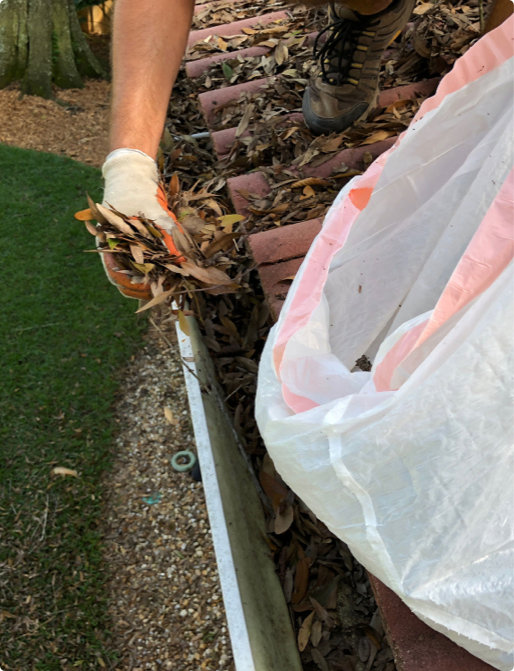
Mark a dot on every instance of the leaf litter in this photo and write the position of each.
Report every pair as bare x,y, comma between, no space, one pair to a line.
330,600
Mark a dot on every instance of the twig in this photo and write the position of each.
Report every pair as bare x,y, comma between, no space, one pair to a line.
481,15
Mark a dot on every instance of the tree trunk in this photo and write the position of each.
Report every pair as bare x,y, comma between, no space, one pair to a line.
41,43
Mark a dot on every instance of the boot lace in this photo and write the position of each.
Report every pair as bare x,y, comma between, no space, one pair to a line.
336,53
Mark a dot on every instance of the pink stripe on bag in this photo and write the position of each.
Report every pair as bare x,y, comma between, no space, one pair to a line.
383,373
486,257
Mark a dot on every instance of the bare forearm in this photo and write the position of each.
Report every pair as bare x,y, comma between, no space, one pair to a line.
149,40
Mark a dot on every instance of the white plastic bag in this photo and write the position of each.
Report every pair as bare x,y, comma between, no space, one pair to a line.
411,464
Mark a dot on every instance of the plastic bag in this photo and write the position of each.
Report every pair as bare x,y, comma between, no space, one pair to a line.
411,464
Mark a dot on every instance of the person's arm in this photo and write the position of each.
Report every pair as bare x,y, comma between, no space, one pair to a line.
148,43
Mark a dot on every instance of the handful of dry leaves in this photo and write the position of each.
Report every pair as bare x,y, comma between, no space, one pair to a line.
148,262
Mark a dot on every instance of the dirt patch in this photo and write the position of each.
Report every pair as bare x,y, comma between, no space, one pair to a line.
78,127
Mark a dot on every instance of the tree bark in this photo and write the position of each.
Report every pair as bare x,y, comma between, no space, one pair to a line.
87,64
65,73
8,55
41,42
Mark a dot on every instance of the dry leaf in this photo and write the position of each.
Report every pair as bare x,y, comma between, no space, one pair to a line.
224,242
319,659
192,224
145,268
310,181
94,209
420,46
377,137
115,220
61,470
208,275
243,124
332,145
137,254
273,488
397,105
157,300
284,518
84,215
93,230
301,580
308,192
305,632
174,187
230,219
176,269
281,53
423,8
317,628
168,413
183,323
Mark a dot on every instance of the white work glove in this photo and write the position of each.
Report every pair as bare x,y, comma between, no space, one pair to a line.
132,188
132,184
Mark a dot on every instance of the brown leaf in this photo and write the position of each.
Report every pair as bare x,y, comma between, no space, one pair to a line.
93,230
305,632
137,253
301,580
245,120
115,220
397,105
156,300
317,628
96,212
332,144
310,181
284,518
308,192
319,659
174,188
281,53
176,269
377,137
276,491
224,242
192,224
181,241
208,275
422,8
420,46
140,227
321,612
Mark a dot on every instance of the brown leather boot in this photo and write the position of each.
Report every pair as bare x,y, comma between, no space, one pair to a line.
346,88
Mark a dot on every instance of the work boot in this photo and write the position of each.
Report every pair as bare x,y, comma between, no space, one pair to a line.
346,88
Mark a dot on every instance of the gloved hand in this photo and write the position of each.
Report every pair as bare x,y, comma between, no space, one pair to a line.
132,187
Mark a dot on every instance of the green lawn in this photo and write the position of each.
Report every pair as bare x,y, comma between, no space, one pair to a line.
65,334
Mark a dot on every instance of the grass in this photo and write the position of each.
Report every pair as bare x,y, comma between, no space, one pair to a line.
65,333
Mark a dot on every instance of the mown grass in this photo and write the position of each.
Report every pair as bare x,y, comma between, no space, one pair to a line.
65,334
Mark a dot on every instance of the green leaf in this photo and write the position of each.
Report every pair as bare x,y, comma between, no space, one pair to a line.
227,71
112,242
